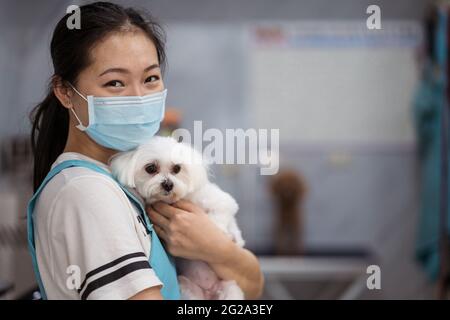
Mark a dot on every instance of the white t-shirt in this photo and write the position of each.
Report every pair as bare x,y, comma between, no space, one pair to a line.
85,225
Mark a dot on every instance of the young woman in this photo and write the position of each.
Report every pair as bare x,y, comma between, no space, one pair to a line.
89,238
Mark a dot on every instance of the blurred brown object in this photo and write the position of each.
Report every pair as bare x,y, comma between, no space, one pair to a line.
288,189
171,122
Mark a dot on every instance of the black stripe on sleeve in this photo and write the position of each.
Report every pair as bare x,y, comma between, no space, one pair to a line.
113,276
109,265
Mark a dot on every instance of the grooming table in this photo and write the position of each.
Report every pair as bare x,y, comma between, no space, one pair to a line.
314,277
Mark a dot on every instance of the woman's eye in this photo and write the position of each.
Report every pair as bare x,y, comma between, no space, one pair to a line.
152,79
151,168
114,83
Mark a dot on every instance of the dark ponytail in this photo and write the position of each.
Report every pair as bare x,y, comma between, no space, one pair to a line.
50,124
70,55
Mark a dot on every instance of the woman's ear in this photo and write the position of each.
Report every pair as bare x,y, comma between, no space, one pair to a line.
123,167
62,92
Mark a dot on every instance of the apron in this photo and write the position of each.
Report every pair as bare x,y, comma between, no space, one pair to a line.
161,262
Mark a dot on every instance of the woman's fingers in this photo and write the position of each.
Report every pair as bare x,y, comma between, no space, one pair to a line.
157,218
165,209
160,232
187,206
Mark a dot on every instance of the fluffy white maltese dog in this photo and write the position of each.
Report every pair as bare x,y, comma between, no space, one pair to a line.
166,170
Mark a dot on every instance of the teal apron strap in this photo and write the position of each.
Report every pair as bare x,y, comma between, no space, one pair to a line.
162,263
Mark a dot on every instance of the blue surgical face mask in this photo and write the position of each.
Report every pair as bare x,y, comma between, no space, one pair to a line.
123,123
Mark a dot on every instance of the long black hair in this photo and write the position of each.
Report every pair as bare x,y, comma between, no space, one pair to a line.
70,55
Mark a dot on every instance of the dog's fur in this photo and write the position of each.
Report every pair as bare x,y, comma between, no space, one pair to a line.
197,280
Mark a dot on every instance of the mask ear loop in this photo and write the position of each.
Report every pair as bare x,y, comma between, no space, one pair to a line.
80,125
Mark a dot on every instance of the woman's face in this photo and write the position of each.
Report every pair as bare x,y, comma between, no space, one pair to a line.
123,64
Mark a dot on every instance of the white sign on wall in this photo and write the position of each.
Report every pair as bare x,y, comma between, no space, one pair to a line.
334,82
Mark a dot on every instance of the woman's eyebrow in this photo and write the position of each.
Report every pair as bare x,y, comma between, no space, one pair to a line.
119,70
153,66
123,70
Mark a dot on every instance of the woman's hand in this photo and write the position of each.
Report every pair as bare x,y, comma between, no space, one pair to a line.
188,232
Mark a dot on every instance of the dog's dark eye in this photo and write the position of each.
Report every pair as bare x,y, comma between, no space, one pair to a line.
176,168
151,168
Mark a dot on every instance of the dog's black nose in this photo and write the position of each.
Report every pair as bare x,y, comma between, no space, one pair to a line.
167,185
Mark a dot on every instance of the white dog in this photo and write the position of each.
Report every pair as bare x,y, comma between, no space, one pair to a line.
166,170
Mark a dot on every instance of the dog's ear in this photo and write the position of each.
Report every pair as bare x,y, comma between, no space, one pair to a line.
123,167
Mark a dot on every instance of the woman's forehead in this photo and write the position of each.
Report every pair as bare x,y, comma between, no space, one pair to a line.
133,51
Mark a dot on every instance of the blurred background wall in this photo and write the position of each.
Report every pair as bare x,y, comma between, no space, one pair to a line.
360,171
